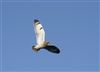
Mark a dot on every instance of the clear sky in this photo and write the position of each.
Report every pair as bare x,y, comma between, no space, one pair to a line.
71,26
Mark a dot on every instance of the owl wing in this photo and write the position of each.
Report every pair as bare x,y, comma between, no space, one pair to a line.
39,31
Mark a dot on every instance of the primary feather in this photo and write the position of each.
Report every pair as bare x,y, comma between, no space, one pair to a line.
52,48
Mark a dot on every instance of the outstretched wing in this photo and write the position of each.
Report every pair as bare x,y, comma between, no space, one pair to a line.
39,31
52,49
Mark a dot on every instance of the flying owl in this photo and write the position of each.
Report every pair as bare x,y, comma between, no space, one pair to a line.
40,39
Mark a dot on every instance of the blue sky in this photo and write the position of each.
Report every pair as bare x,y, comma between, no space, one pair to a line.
72,26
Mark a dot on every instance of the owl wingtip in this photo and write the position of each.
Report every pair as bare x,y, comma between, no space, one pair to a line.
36,20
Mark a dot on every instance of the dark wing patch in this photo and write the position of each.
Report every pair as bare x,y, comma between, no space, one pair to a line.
52,49
40,28
36,20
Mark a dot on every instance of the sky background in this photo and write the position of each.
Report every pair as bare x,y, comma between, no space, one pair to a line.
72,26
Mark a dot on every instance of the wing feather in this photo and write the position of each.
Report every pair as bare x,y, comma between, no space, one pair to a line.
39,31
52,48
